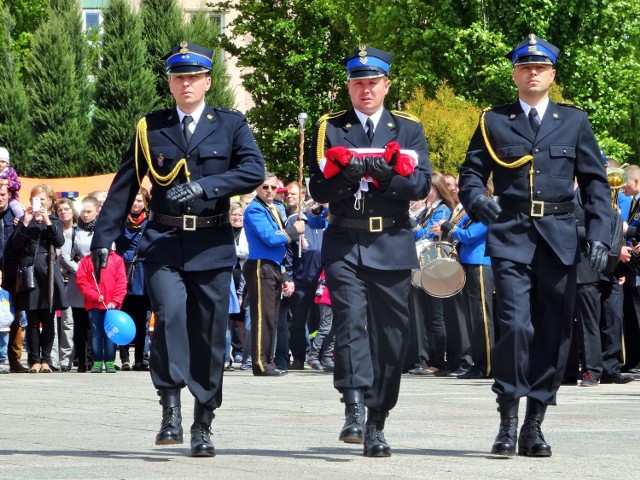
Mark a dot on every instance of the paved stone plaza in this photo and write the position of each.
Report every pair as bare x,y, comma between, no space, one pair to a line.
102,426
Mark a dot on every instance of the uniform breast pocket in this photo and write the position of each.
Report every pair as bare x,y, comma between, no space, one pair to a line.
512,152
164,157
562,159
213,158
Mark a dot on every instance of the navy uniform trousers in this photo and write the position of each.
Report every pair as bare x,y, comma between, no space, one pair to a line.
188,331
264,289
534,317
371,324
478,292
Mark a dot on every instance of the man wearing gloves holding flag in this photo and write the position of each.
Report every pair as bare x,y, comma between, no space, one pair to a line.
368,163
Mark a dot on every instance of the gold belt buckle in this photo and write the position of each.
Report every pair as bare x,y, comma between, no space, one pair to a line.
375,224
537,208
189,222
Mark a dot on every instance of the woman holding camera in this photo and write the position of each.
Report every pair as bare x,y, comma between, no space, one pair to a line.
39,286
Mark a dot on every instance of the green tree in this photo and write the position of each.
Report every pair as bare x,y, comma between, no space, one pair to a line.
14,122
29,14
57,111
204,29
449,123
464,42
125,86
163,28
292,66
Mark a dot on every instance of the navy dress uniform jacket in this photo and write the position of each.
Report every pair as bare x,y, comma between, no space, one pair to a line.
222,157
563,149
393,248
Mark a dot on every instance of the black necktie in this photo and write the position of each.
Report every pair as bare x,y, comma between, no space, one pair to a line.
186,121
534,120
369,124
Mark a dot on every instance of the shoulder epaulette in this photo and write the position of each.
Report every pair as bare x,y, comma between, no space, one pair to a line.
405,115
496,107
227,110
571,105
329,116
156,112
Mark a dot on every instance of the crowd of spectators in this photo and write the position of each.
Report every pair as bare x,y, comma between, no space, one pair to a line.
58,319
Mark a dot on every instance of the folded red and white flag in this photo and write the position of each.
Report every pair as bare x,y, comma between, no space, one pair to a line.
337,157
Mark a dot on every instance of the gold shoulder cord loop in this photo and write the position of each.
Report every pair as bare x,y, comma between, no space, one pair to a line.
517,163
143,143
322,129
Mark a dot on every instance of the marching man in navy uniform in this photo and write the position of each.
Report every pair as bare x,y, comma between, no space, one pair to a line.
196,157
368,247
534,148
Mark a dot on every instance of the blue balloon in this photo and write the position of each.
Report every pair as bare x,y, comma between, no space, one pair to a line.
119,327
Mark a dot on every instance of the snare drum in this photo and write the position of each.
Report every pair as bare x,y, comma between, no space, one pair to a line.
441,275
416,273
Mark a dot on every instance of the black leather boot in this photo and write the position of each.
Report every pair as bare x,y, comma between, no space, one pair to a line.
353,429
505,442
171,427
531,442
201,445
374,443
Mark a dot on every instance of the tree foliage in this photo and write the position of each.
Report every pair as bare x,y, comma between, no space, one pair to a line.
14,121
449,123
57,110
125,86
291,62
204,29
463,43
28,15
162,28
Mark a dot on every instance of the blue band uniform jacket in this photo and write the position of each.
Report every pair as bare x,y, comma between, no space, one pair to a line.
563,149
222,156
392,248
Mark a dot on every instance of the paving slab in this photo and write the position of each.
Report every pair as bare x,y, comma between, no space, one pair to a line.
102,426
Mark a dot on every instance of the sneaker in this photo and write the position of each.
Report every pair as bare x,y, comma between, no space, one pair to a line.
588,381
96,367
4,368
126,367
247,365
110,367
314,363
327,364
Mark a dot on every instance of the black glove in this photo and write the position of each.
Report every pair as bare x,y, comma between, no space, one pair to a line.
184,192
486,210
99,259
354,170
598,255
380,170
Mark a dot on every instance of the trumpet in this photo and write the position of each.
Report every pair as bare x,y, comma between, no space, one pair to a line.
617,179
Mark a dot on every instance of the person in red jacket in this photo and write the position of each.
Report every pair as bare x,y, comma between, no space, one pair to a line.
98,298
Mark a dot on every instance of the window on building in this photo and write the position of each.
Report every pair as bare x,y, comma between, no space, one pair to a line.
91,20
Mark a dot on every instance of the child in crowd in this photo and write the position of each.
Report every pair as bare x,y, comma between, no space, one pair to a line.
324,340
9,177
108,294
6,319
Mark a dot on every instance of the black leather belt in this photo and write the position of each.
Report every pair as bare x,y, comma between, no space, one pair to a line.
372,224
537,208
189,222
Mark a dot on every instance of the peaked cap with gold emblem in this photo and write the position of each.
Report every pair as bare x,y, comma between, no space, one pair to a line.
367,62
